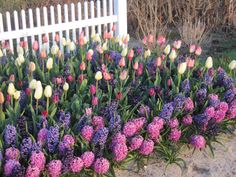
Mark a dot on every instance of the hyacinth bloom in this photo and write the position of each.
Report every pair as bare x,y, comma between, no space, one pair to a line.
54,168
38,160
88,158
197,141
174,134
101,165
210,111
219,115
32,171
42,135
173,123
9,166
146,147
98,122
76,165
120,151
153,131
129,129
10,135
136,142
187,120
12,153
87,132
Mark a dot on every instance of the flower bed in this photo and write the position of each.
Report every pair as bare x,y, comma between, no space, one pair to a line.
100,104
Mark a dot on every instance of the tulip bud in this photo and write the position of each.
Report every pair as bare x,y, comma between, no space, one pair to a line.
57,38
45,39
21,59
177,44
12,78
54,49
167,49
122,62
82,66
124,52
151,91
209,63
1,54
161,40
114,27
17,95
182,68
48,91
123,75
97,38
98,75
190,62
72,46
11,89
32,66
33,84
38,93
1,98
38,84
20,50
49,63
147,53
94,101
43,54
198,51
92,89
63,41
135,66
173,55
35,45
119,95
66,87
192,48
232,65
89,55
158,61
104,46
131,54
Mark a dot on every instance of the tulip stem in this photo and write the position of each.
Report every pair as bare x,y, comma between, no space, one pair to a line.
37,102
179,80
12,101
47,104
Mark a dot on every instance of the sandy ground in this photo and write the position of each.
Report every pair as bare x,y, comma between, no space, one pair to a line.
199,164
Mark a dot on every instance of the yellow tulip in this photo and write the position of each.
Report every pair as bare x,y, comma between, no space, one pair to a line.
49,63
17,95
48,91
147,53
182,68
2,99
72,46
32,66
173,55
33,84
66,87
38,93
98,75
11,89
54,49
232,65
124,52
64,41
167,49
1,54
209,63
123,75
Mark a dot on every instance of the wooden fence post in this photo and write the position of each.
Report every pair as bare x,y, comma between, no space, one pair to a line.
120,9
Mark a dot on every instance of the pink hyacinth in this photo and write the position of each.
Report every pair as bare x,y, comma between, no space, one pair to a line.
12,153
153,131
76,165
118,138
223,106
69,140
139,123
188,104
187,120
136,142
210,112
88,158
9,166
219,116
37,159
32,171
173,123
98,122
42,135
231,113
54,168
101,165
146,147
197,141
87,132
120,152
159,122
175,134
129,129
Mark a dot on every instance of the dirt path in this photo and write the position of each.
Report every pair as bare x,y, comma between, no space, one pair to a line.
200,164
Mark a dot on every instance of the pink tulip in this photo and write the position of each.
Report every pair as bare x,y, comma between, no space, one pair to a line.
35,45
135,66
198,51
190,62
192,48
161,40
158,61
57,38
150,38
131,54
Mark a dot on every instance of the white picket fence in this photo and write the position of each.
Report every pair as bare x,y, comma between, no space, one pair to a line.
99,15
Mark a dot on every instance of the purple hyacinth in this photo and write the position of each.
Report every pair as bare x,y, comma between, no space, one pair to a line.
10,135
201,120
167,111
52,138
37,146
144,111
22,99
208,78
201,96
100,136
188,104
26,147
9,166
42,135
12,153
115,123
185,87
64,119
213,100
18,171
229,95
21,126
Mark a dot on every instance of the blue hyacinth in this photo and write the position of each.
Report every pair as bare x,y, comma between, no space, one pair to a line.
115,123
10,135
52,139
64,119
167,111
179,102
229,95
185,87
100,136
26,147
201,95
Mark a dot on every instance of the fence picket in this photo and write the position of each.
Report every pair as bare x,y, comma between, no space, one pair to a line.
104,7
66,20
31,20
1,24
73,20
23,22
92,14
16,22
99,15
79,15
9,30
59,21
52,17
111,12
45,18
86,17
38,25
